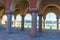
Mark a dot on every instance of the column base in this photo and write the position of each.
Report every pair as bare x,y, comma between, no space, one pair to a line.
22,29
9,32
33,34
40,30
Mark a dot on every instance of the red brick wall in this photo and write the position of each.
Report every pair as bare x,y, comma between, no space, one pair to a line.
8,3
32,3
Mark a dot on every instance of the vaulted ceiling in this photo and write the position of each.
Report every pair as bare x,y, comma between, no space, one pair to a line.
45,6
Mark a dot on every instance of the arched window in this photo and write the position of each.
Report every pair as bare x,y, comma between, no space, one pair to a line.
18,20
51,20
4,19
28,19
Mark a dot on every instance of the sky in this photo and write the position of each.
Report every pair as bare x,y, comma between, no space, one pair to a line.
49,16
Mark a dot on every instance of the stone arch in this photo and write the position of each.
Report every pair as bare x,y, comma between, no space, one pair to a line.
2,13
2,9
51,9
16,12
27,10
48,6
23,6
13,4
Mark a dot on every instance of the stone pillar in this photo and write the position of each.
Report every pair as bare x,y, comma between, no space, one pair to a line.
33,8
44,22
9,24
40,23
34,21
57,22
22,23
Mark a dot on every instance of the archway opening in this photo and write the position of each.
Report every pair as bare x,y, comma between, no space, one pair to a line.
4,19
37,21
12,20
18,21
28,19
51,21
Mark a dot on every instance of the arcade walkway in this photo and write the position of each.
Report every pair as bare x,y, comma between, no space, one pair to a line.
45,35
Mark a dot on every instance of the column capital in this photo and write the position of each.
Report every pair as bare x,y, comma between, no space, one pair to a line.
44,17
9,12
33,9
40,15
57,17
22,15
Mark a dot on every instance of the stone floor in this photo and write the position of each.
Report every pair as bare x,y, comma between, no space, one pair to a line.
25,35
45,35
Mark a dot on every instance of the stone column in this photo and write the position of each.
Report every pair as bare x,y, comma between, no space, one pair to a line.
40,23
44,22
34,21
9,24
57,22
22,23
